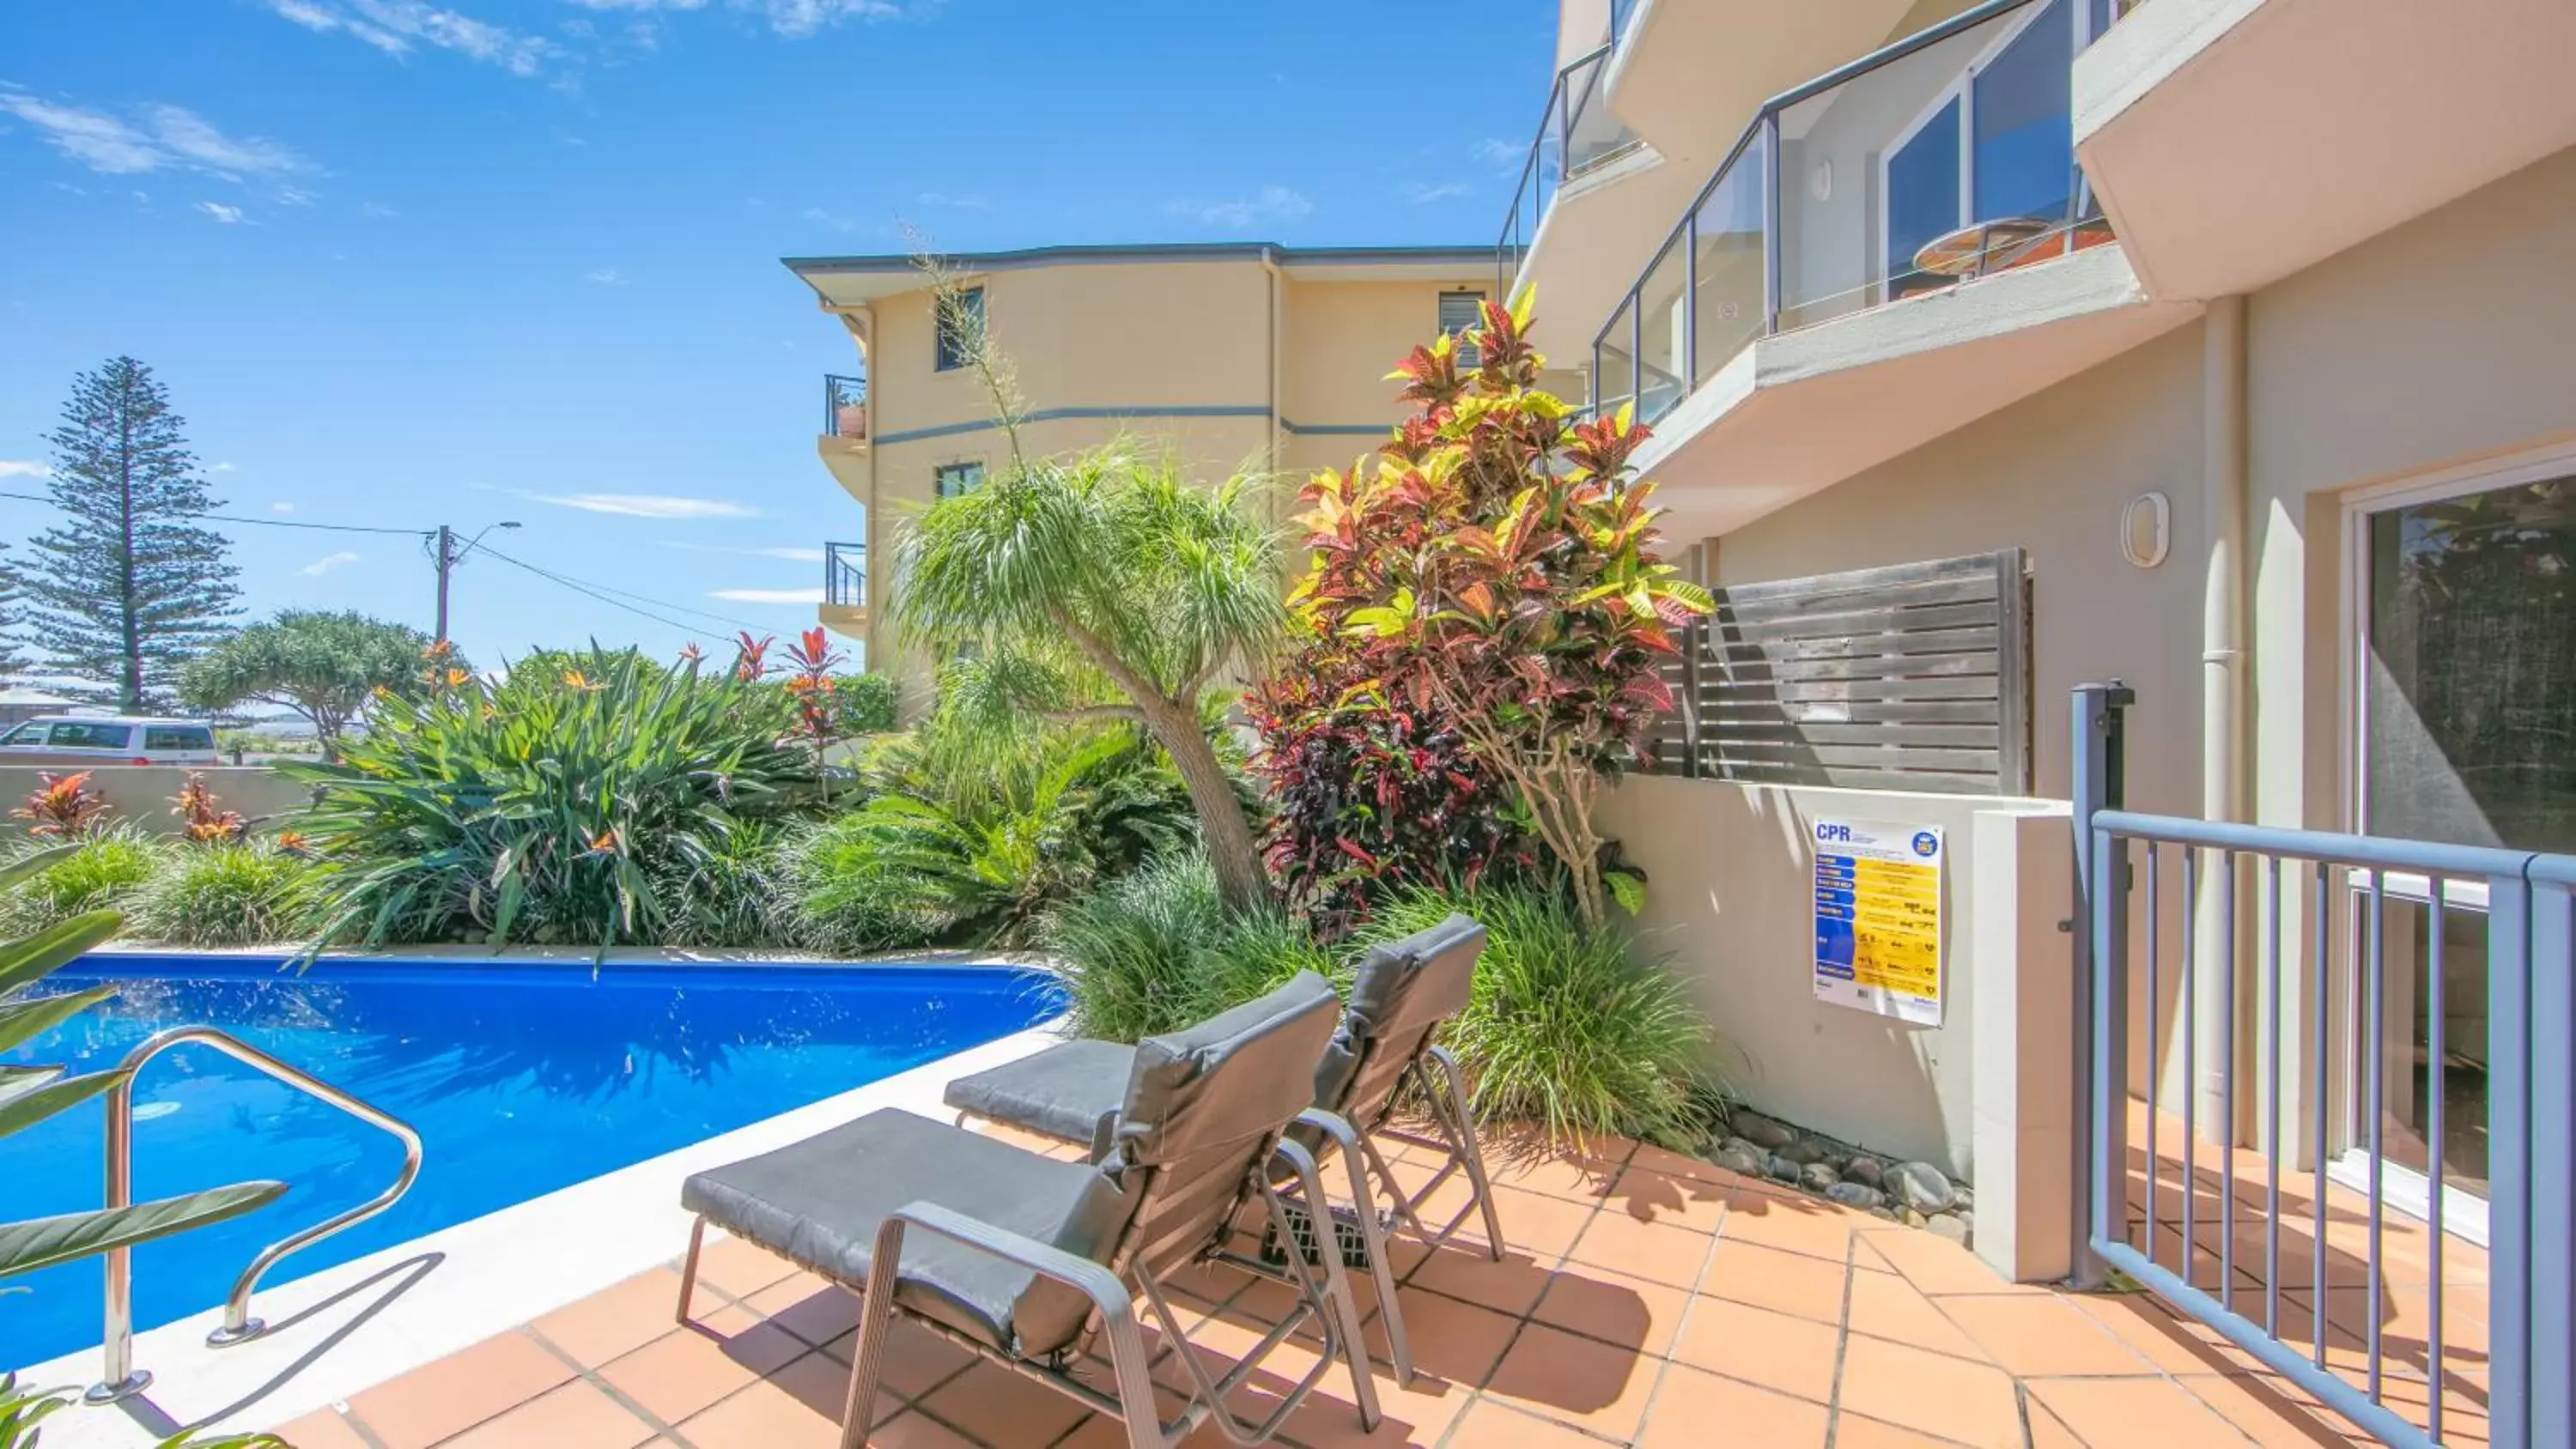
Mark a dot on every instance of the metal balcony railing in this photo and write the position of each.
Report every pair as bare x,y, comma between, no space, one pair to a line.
1940,158
845,575
1576,133
845,407
1622,13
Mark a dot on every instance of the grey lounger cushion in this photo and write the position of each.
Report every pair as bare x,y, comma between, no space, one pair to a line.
820,1202
1062,1092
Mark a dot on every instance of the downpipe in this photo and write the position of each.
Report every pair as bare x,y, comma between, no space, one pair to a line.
2224,670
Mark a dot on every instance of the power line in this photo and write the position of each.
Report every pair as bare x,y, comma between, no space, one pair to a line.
262,522
601,592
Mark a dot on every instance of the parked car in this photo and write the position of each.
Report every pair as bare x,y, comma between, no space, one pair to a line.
72,739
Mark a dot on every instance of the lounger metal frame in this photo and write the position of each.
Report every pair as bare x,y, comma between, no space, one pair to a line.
1329,1303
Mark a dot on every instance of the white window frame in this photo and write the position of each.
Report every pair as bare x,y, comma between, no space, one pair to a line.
1467,356
2464,1213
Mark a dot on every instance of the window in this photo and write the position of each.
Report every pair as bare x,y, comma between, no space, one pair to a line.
31,733
177,737
89,735
1997,145
961,329
1463,312
950,480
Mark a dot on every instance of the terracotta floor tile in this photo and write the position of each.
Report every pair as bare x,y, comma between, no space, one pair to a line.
2117,1413
1776,1350
1651,1158
1511,1286
323,1429
1937,1265
1931,1392
738,1267
1852,1431
1580,1176
1693,1410
797,1408
575,1416
2047,1431
1534,1224
1625,1312
615,1321
1656,1197
1552,1372
1819,1230
1000,1407
1771,1278
2273,1413
1490,1425
1456,1341
1657,1251
1410,1417
2044,1335
916,1359
914,1431
456,1393
2138,1320
809,1307
676,1376
1885,1305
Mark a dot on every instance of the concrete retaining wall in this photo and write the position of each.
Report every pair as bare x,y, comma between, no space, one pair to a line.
140,794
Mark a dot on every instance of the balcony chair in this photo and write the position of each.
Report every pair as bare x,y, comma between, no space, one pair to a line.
1404,992
1026,1260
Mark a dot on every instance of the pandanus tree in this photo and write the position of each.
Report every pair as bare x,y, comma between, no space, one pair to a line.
1494,567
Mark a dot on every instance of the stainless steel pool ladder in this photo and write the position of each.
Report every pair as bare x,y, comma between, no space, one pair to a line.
122,1378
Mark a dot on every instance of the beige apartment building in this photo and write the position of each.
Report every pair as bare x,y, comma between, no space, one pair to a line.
1239,356
2226,348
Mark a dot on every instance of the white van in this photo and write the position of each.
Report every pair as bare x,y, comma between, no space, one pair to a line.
122,739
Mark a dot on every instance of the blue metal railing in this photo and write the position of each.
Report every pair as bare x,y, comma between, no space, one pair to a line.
2305,973
845,406
845,575
1724,275
1575,134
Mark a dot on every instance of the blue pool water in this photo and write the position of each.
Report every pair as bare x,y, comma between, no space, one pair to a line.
521,1078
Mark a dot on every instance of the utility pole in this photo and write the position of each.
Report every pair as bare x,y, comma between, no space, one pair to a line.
446,555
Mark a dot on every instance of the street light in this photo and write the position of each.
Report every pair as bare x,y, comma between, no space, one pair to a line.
448,556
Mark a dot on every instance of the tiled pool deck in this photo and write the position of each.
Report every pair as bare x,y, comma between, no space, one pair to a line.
1648,1299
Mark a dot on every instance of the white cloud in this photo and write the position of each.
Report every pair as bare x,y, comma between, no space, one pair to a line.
605,276
292,196
395,26
224,468
1270,203
328,562
228,215
800,18
281,508
1423,193
647,505
21,468
159,137
825,218
768,596
378,210
1500,154
791,555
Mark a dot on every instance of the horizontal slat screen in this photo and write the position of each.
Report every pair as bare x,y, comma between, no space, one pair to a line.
1915,677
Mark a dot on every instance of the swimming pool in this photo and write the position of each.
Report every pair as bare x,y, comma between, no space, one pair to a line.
521,1077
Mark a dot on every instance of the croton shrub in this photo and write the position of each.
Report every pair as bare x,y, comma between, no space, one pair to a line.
1490,574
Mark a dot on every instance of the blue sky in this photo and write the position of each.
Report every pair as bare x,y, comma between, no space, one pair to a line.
401,264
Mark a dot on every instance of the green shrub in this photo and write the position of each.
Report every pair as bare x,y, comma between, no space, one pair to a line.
970,836
243,894
866,703
1156,950
103,871
554,807
741,895
1570,1027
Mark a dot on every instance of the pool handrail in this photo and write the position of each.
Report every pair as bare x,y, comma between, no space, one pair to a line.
122,1378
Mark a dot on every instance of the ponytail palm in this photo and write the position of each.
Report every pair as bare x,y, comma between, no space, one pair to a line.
1107,585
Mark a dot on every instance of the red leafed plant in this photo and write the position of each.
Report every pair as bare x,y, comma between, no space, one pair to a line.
195,805
810,660
751,656
62,807
1492,572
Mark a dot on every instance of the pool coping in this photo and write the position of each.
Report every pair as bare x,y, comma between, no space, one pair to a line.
357,1324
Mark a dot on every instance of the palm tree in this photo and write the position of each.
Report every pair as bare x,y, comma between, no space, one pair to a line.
1106,586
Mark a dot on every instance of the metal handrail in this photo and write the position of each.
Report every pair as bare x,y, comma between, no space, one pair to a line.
842,390
122,1378
845,574
1533,187
1764,127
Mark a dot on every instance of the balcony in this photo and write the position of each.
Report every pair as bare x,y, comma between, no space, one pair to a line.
1887,252
2236,142
1685,73
843,443
1577,206
844,609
